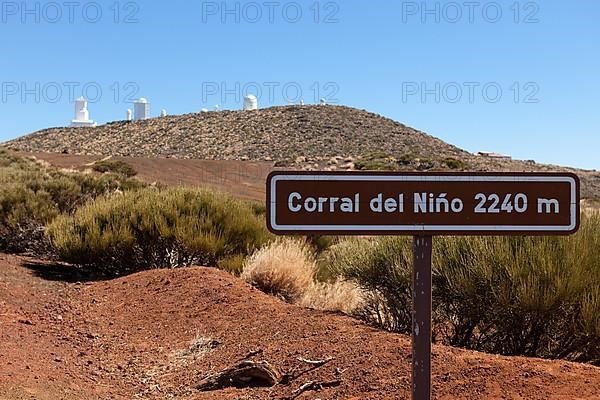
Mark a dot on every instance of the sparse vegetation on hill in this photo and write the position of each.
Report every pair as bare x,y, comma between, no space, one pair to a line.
149,228
295,137
278,134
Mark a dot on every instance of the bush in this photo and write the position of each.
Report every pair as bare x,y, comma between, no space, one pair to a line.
148,228
376,162
32,194
522,295
533,296
115,166
454,163
382,268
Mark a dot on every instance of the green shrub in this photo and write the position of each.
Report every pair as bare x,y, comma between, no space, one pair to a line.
382,268
153,229
233,264
115,166
375,162
522,295
533,296
32,194
23,213
454,163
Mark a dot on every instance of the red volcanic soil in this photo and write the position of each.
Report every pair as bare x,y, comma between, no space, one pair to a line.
129,338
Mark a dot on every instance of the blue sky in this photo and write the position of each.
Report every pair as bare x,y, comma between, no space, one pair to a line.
515,77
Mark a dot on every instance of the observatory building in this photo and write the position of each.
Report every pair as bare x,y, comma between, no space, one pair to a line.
141,109
82,115
250,103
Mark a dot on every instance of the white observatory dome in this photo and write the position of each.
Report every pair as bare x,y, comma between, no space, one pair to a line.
250,102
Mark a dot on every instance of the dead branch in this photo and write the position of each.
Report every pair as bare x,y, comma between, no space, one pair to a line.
317,363
312,385
295,374
244,374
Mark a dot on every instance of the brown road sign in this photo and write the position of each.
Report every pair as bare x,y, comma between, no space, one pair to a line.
377,203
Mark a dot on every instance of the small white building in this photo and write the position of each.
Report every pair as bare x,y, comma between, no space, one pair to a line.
141,109
82,115
250,102
491,154
129,115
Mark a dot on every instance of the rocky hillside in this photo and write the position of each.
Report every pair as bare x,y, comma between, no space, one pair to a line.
303,137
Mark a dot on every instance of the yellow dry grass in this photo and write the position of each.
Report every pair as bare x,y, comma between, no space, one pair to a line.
287,268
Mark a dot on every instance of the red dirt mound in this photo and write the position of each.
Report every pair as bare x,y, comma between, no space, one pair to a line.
157,334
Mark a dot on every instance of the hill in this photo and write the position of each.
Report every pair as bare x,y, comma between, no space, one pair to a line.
157,334
299,137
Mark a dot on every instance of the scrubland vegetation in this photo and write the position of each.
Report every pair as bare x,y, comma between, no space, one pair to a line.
533,296
32,194
536,296
150,228
379,161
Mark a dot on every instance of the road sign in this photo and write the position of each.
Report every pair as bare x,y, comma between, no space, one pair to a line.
410,203
384,203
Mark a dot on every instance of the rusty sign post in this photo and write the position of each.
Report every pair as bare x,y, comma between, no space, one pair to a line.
421,317
422,205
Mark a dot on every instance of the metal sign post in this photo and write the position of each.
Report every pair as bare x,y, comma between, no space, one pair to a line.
422,205
421,318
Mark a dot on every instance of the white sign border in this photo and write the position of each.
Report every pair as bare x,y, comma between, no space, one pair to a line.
425,228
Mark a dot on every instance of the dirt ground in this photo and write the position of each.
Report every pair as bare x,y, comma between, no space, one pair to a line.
244,179
157,334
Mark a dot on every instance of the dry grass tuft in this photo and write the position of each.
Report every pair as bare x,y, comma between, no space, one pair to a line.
343,296
284,268
287,268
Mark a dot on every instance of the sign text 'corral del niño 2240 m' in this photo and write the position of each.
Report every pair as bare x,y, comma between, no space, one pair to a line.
436,203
